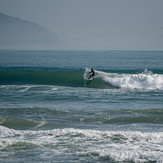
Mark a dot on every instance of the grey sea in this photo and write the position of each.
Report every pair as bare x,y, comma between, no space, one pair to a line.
50,113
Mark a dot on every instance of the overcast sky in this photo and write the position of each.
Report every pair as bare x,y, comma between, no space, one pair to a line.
96,24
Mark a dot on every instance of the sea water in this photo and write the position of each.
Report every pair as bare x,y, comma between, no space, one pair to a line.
49,113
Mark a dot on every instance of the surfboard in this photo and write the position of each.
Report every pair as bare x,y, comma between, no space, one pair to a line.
88,79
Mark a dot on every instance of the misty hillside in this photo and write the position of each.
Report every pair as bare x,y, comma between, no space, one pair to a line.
19,34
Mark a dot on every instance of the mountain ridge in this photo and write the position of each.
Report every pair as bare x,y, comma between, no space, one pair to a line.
16,33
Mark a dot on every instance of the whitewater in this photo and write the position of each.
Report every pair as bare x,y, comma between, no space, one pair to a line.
143,81
119,146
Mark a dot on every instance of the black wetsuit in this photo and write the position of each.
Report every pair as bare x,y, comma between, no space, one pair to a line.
92,74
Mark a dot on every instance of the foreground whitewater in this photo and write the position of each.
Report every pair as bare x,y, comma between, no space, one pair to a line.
49,113
86,145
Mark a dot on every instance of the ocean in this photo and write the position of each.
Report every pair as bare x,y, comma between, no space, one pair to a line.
49,113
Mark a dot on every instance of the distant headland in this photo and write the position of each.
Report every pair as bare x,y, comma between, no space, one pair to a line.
16,33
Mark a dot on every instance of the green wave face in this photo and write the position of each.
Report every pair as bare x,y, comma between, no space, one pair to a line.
142,81
72,79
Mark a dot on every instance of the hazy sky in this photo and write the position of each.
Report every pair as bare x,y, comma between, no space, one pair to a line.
96,24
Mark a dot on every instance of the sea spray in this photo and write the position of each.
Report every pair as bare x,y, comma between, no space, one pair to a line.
143,81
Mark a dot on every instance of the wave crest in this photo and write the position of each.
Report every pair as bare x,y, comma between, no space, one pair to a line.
143,81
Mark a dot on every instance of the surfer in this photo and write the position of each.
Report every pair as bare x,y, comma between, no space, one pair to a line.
92,74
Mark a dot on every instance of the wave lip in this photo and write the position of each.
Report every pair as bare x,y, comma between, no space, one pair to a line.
142,81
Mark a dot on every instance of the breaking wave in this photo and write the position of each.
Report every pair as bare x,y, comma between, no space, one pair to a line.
143,81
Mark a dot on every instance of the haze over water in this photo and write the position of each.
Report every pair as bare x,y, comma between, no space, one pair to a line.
93,24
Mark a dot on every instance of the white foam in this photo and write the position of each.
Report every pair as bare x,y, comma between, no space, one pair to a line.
54,89
25,88
19,88
2,120
143,81
85,75
42,123
118,145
